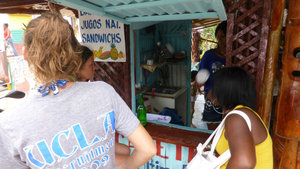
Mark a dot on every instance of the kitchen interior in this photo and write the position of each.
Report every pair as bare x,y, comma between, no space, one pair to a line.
163,53
164,62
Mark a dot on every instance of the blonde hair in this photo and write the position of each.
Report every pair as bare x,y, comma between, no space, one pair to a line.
52,49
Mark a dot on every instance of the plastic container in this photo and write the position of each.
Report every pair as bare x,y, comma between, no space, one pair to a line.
159,118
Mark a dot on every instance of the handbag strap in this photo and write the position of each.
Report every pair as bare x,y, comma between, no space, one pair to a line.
226,155
201,147
218,132
222,125
244,115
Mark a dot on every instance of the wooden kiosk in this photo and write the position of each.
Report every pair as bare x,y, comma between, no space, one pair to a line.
253,38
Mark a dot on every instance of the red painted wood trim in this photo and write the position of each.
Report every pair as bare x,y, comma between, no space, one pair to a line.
176,136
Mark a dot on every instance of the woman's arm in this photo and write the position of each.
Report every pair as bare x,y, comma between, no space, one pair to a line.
144,149
122,152
241,143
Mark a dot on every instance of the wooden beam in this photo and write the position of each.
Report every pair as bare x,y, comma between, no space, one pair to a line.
200,39
140,25
172,17
206,22
18,3
21,11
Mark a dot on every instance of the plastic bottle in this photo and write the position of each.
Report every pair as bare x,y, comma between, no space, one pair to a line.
141,111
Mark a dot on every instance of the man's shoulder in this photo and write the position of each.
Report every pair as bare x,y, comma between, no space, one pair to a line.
209,53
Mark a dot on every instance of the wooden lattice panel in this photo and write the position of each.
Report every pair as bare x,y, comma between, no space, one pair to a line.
247,36
117,74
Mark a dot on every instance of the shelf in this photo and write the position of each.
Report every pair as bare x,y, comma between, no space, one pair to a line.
175,60
174,95
152,68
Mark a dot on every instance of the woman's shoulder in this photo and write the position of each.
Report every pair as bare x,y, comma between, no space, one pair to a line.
250,114
95,84
241,120
237,118
96,88
258,128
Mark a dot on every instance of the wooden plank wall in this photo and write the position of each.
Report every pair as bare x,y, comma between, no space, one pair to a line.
117,74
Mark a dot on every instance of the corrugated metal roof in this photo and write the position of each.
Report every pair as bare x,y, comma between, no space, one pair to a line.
135,11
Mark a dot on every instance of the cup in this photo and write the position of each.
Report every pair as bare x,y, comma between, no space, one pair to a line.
150,62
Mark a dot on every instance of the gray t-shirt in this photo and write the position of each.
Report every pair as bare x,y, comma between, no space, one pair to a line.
74,129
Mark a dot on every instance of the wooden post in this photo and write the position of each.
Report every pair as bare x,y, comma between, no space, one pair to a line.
195,46
265,104
287,126
262,46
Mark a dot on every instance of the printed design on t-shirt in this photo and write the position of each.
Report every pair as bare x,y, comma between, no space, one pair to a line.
217,66
86,153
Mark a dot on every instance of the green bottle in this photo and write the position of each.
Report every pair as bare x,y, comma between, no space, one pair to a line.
141,111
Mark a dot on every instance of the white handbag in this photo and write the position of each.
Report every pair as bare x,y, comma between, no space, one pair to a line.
207,159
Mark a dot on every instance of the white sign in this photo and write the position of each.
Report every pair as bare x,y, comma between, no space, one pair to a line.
18,69
104,36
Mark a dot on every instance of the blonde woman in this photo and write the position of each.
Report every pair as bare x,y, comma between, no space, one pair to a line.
68,124
86,73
